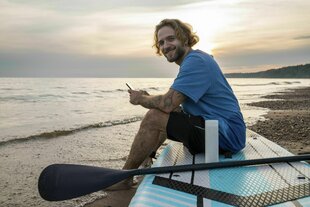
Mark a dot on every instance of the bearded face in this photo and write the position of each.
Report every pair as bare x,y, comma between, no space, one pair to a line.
174,53
171,47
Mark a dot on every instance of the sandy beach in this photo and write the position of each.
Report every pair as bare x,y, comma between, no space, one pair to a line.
21,163
287,123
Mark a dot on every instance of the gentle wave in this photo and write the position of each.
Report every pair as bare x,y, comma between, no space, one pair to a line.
80,93
59,133
30,98
60,87
24,98
15,89
51,96
270,83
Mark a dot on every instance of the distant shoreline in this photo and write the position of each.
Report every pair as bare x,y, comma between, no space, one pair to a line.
295,72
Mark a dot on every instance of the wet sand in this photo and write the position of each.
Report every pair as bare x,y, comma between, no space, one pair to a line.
120,198
288,121
21,163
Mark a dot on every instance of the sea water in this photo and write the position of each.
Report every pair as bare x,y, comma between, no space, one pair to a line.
84,121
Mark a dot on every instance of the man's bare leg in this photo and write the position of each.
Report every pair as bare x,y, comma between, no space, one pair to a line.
149,160
148,139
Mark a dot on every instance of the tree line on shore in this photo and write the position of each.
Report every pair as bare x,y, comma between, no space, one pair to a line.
297,71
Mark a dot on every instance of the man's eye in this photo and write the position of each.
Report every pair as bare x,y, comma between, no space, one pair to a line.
160,43
171,39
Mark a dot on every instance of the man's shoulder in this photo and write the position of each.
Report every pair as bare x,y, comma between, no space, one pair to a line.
199,53
198,58
196,55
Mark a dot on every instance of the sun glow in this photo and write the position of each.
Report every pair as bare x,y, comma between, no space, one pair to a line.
206,46
210,21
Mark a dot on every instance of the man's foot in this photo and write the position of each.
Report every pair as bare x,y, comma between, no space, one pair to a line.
148,162
123,185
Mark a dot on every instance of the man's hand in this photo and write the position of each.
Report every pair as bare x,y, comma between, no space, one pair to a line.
145,93
167,102
135,96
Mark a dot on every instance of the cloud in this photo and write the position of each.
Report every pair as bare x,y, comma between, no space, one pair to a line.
302,37
121,31
262,60
81,34
124,31
86,7
42,64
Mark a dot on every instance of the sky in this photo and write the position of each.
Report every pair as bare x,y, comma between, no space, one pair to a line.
114,38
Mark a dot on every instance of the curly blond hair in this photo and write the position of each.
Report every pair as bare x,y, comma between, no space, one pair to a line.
183,32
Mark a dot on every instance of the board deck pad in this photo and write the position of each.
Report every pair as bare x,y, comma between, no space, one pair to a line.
278,184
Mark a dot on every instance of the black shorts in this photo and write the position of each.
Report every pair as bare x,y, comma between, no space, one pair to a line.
187,129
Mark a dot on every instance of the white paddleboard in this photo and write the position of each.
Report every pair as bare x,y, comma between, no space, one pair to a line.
279,184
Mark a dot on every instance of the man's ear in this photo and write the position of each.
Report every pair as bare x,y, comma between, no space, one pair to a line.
186,42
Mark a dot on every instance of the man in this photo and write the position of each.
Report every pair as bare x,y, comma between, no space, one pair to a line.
202,91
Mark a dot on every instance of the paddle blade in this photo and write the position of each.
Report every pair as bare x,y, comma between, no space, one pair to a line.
65,181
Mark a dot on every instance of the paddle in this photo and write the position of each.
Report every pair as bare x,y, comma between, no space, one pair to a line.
65,181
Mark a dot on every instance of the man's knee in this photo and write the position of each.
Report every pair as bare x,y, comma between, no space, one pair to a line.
155,118
152,116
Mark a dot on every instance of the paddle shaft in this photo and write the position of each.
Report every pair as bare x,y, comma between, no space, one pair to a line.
216,165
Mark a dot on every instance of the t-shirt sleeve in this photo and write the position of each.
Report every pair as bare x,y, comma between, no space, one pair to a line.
193,79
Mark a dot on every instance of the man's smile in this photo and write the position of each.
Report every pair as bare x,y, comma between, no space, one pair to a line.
168,50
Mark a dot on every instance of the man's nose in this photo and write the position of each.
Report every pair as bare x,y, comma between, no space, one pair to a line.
166,45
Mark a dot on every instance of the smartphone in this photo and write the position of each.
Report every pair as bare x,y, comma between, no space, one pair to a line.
129,86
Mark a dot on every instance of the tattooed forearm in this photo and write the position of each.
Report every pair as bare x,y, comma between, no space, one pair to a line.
166,103
168,99
151,102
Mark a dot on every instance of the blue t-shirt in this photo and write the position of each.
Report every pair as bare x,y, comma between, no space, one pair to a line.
209,95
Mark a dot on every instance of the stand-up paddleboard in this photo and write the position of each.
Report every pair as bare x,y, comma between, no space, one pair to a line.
279,184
